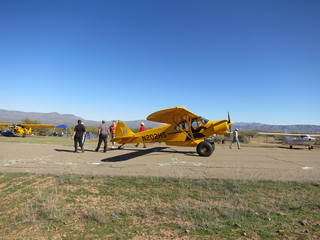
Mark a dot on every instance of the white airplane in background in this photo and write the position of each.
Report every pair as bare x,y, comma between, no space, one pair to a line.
295,138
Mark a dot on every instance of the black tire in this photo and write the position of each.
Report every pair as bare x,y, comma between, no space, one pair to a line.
205,149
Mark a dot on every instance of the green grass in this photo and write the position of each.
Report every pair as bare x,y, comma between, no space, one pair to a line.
78,207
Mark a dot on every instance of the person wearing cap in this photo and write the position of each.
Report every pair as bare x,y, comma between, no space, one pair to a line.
235,138
142,128
78,133
103,136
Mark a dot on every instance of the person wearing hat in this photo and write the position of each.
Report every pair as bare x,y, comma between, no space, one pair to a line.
142,128
78,133
235,138
103,136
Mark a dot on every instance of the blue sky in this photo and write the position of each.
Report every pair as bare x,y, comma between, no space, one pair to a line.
259,60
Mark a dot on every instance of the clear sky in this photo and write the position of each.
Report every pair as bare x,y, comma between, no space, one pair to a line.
125,59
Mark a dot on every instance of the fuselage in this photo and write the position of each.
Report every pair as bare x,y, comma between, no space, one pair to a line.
183,134
304,140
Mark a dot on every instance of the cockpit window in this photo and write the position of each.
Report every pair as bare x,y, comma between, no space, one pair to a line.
204,120
195,124
182,126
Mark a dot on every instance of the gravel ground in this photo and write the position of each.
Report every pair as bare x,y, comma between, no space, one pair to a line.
281,164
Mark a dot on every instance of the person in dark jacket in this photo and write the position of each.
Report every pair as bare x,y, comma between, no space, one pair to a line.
78,136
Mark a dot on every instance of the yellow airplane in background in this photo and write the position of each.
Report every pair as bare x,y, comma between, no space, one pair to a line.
21,130
184,128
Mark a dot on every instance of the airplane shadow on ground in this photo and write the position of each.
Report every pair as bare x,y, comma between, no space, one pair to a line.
72,151
294,148
141,152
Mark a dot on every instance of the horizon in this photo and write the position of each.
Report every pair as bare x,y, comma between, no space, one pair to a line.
133,120
258,60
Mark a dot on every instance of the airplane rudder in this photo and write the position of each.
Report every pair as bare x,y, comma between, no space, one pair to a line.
123,130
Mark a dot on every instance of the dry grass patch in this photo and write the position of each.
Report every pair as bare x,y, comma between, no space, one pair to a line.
76,207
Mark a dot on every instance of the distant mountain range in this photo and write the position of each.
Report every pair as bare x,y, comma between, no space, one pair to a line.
7,116
299,128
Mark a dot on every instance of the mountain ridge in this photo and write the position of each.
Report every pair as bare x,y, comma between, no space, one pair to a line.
12,116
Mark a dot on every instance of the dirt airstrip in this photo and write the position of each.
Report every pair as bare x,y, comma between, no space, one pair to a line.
163,161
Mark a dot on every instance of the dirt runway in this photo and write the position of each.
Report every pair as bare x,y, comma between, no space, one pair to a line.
162,161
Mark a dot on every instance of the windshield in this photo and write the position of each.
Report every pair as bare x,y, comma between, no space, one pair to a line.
304,136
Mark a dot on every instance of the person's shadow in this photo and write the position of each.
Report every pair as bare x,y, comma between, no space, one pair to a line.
63,150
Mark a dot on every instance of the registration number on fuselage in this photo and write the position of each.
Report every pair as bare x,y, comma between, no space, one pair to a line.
154,136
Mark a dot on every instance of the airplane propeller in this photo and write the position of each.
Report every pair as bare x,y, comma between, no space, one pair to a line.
229,121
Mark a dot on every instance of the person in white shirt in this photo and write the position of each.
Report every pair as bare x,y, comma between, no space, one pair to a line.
235,138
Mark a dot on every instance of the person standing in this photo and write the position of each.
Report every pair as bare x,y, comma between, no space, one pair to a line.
142,128
103,136
112,130
235,138
78,134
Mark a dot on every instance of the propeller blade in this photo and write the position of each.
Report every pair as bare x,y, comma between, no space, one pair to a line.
229,121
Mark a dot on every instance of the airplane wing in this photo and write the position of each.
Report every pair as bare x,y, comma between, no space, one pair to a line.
6,124
27,125
314,135
37,125
287,134
169,115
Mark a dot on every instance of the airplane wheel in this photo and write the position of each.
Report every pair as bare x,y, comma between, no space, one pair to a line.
205,149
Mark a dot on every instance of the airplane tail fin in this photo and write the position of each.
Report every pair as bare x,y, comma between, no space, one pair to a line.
123,132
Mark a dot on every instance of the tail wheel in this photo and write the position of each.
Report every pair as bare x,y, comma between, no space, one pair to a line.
205,149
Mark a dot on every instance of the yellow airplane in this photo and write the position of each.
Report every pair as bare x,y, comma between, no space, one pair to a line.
21,130
183,128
